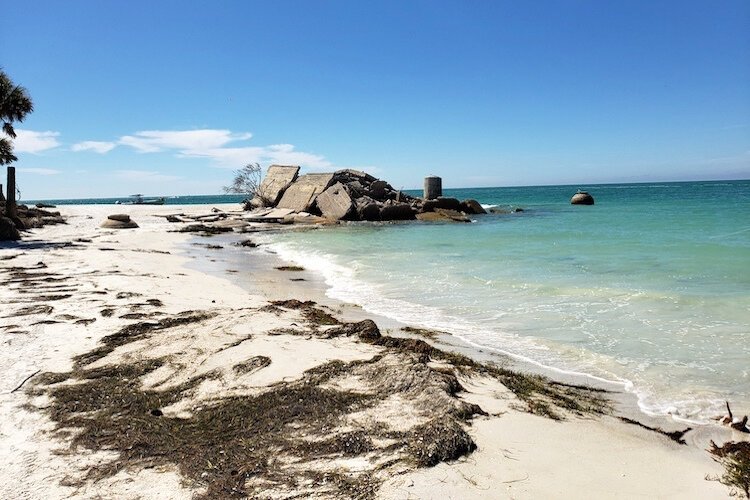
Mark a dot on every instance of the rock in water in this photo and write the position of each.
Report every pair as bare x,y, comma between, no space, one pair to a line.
396,211
119,221
582,198
472,207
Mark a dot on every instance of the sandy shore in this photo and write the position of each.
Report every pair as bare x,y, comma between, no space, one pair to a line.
160,369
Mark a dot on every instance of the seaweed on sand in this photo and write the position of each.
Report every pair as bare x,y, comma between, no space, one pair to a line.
290,268
439,440
542,396
735,458
137,331
314,315
290,438
221,445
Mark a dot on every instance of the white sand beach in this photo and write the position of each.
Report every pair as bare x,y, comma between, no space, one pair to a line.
207,349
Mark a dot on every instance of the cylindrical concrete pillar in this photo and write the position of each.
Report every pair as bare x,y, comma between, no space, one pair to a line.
433,187
10,204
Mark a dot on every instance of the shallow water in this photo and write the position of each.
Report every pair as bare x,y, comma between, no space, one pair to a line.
649,287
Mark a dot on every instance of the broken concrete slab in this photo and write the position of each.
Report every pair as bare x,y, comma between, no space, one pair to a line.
278,178
269,215
335,203
301,195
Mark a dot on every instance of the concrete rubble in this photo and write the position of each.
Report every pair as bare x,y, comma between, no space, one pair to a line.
349,195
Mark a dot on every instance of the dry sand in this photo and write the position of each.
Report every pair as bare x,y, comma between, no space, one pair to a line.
245,349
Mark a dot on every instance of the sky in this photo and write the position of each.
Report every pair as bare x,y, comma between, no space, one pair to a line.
169,97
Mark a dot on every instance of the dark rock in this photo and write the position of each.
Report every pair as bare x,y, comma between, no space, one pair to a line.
119,217
582,198
44,205
367,209
247,244
396,211
8,231
472,207
378,190
441,202
202,228
173,218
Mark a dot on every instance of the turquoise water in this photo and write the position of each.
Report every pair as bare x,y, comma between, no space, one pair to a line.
650,287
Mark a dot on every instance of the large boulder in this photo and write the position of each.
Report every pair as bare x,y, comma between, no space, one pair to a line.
367,209
8,231
582,198
392,210
119,221
301,195
278,178
378,190
472,207
441,202
335,203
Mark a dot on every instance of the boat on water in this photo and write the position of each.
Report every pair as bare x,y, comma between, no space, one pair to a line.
138,199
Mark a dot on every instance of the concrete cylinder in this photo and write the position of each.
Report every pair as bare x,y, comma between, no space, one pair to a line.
582,198
10,204
433,187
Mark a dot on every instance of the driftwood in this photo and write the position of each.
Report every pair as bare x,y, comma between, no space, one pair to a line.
735,423
24,381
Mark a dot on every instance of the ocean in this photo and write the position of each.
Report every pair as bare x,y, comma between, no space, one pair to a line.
648,288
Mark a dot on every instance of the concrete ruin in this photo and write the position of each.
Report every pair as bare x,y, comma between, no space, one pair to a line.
301,195
278,178
352,195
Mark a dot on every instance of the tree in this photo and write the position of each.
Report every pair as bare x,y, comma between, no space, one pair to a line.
247,181
15,104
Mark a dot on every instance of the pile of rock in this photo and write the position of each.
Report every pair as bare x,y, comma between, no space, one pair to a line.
351,195
26,218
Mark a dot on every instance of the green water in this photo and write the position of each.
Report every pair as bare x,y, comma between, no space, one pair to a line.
649,287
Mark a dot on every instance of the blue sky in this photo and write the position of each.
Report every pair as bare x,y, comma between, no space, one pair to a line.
168,97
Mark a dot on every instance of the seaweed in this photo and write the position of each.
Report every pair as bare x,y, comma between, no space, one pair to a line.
735,458
439,440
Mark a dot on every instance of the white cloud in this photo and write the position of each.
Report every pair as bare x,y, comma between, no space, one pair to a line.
145,176
100,147
152,141
211,144
31,141
283,154
39,171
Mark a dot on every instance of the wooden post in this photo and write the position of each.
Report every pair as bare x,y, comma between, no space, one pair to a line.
10,204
